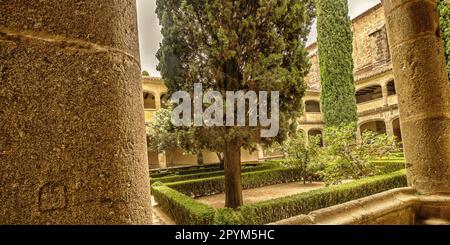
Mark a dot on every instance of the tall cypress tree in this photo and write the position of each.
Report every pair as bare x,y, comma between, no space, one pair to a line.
444,13
237,45
336,63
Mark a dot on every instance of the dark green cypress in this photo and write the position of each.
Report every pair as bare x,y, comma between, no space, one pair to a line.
336,62
444,13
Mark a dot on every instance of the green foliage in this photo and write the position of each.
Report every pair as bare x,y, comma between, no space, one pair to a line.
237,45
215,185
302,153
161,134
145,73
183,209
336,63
345,158
388,166
202,175
304,203
444,13
186,210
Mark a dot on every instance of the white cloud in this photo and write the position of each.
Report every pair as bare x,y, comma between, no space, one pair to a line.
150,36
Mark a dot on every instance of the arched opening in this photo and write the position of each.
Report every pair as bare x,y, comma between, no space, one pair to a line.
374,126
316,132
312,106
391,88
164,100
149,101
369,93
397,130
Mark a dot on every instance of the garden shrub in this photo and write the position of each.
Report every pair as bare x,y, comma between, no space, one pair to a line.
198,169
301,154
344,157
183,209
281,208
216,185
186,210
388,166
176,178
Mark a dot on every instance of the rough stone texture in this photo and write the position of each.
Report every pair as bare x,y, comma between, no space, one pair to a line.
72,145
402,206
423,92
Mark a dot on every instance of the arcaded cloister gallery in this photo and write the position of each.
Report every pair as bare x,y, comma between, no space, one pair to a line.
88,131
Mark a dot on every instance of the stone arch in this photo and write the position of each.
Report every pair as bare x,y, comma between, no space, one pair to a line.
374,125
164,98
369,93
396,128
316,132
149,100
391,87
312,106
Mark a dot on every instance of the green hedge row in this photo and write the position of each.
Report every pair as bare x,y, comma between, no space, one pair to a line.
176,178
389,166
185,170
195,170
281,208
183,209
216,185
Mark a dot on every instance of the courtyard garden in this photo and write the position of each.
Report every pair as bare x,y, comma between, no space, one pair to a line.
310,177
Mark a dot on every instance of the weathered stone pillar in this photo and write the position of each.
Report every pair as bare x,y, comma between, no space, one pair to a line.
385,93
72,140
260,152
162,160
423,92
158,101
389,127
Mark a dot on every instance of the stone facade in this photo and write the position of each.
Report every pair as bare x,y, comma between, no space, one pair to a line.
374,80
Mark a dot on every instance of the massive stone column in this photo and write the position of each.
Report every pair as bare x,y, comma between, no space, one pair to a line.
423,92
72,144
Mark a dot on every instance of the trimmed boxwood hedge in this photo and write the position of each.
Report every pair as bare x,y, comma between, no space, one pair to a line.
183,209
389,166
196,169
186,210
216,185
176,178
304,203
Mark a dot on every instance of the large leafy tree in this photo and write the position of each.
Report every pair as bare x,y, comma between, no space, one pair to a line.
237,45
444,13
334,38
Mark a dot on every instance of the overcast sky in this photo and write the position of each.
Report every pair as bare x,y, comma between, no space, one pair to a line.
150,36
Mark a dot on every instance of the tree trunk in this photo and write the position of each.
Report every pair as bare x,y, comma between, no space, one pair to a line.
233,186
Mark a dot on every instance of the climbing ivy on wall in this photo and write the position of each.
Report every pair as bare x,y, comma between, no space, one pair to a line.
336,62
444,12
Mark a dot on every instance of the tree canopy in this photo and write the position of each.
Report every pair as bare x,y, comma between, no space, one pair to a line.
336,63
237,46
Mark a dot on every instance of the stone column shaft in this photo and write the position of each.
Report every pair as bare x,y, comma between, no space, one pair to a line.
72,139
385,93
162,160
423,92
